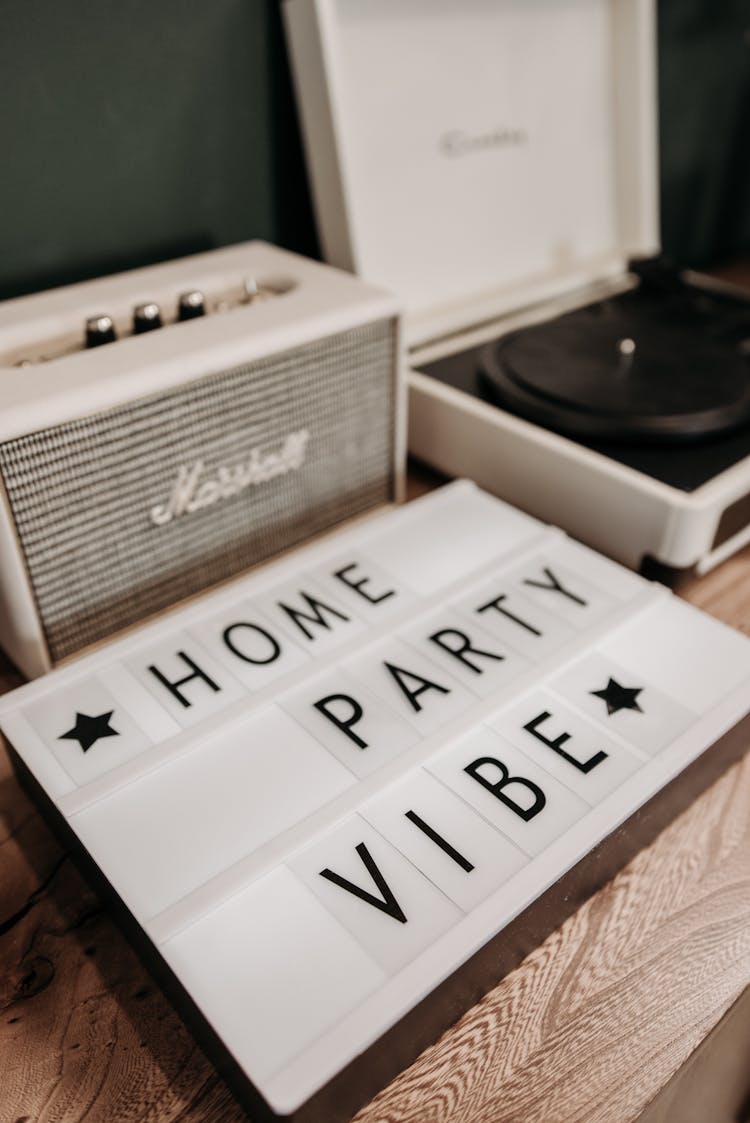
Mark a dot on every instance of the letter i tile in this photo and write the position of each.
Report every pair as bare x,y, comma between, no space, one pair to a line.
87,729
622,701
450,843
462,646
392,911
509,790
576,751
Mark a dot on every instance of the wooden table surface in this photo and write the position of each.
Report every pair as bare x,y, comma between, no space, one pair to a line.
589,1028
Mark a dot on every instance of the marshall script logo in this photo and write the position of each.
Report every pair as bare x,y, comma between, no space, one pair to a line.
457,142
192,493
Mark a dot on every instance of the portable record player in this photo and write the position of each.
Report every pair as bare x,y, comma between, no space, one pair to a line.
496,164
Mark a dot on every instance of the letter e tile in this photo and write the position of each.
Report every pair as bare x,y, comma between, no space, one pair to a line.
564,743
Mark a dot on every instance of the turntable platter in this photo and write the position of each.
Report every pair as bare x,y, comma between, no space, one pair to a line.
648,365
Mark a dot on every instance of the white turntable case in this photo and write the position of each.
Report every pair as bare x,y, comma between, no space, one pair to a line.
495,163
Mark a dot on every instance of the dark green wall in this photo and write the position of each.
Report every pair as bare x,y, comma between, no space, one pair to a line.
134,131
138,130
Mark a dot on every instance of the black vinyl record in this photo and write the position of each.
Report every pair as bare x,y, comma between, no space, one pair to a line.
664,362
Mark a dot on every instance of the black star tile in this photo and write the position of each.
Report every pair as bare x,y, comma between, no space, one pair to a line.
619,697
88,730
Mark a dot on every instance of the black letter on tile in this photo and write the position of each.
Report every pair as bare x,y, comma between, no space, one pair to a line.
554,586
438,839
174,687
400,675
497,787
557,743
317,609
504,612
461,650
387,903
275,647
345,725
359,585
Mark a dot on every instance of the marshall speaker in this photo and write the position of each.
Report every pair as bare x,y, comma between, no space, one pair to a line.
164,429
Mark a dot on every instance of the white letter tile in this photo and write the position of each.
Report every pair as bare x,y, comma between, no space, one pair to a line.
550,814
403,912
514,619
384,734
199,684
593,764
406,814
434,695
477,669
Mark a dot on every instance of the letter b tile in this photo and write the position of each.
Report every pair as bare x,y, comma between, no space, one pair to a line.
505,786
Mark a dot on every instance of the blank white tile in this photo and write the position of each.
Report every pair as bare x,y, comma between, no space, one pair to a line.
169,832
547,581
395,671
687,655
451,536
384,735
83,706
253,648
594,764
317,618
514,619
271,969
205,686
388,938
558,811
486,666
360,583
654,725
494,859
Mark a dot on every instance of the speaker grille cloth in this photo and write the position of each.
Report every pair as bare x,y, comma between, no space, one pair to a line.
81,493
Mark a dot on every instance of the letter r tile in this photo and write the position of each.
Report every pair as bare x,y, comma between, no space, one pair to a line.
509,790
392,911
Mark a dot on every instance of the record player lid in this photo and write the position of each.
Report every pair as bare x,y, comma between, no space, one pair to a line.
477,156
